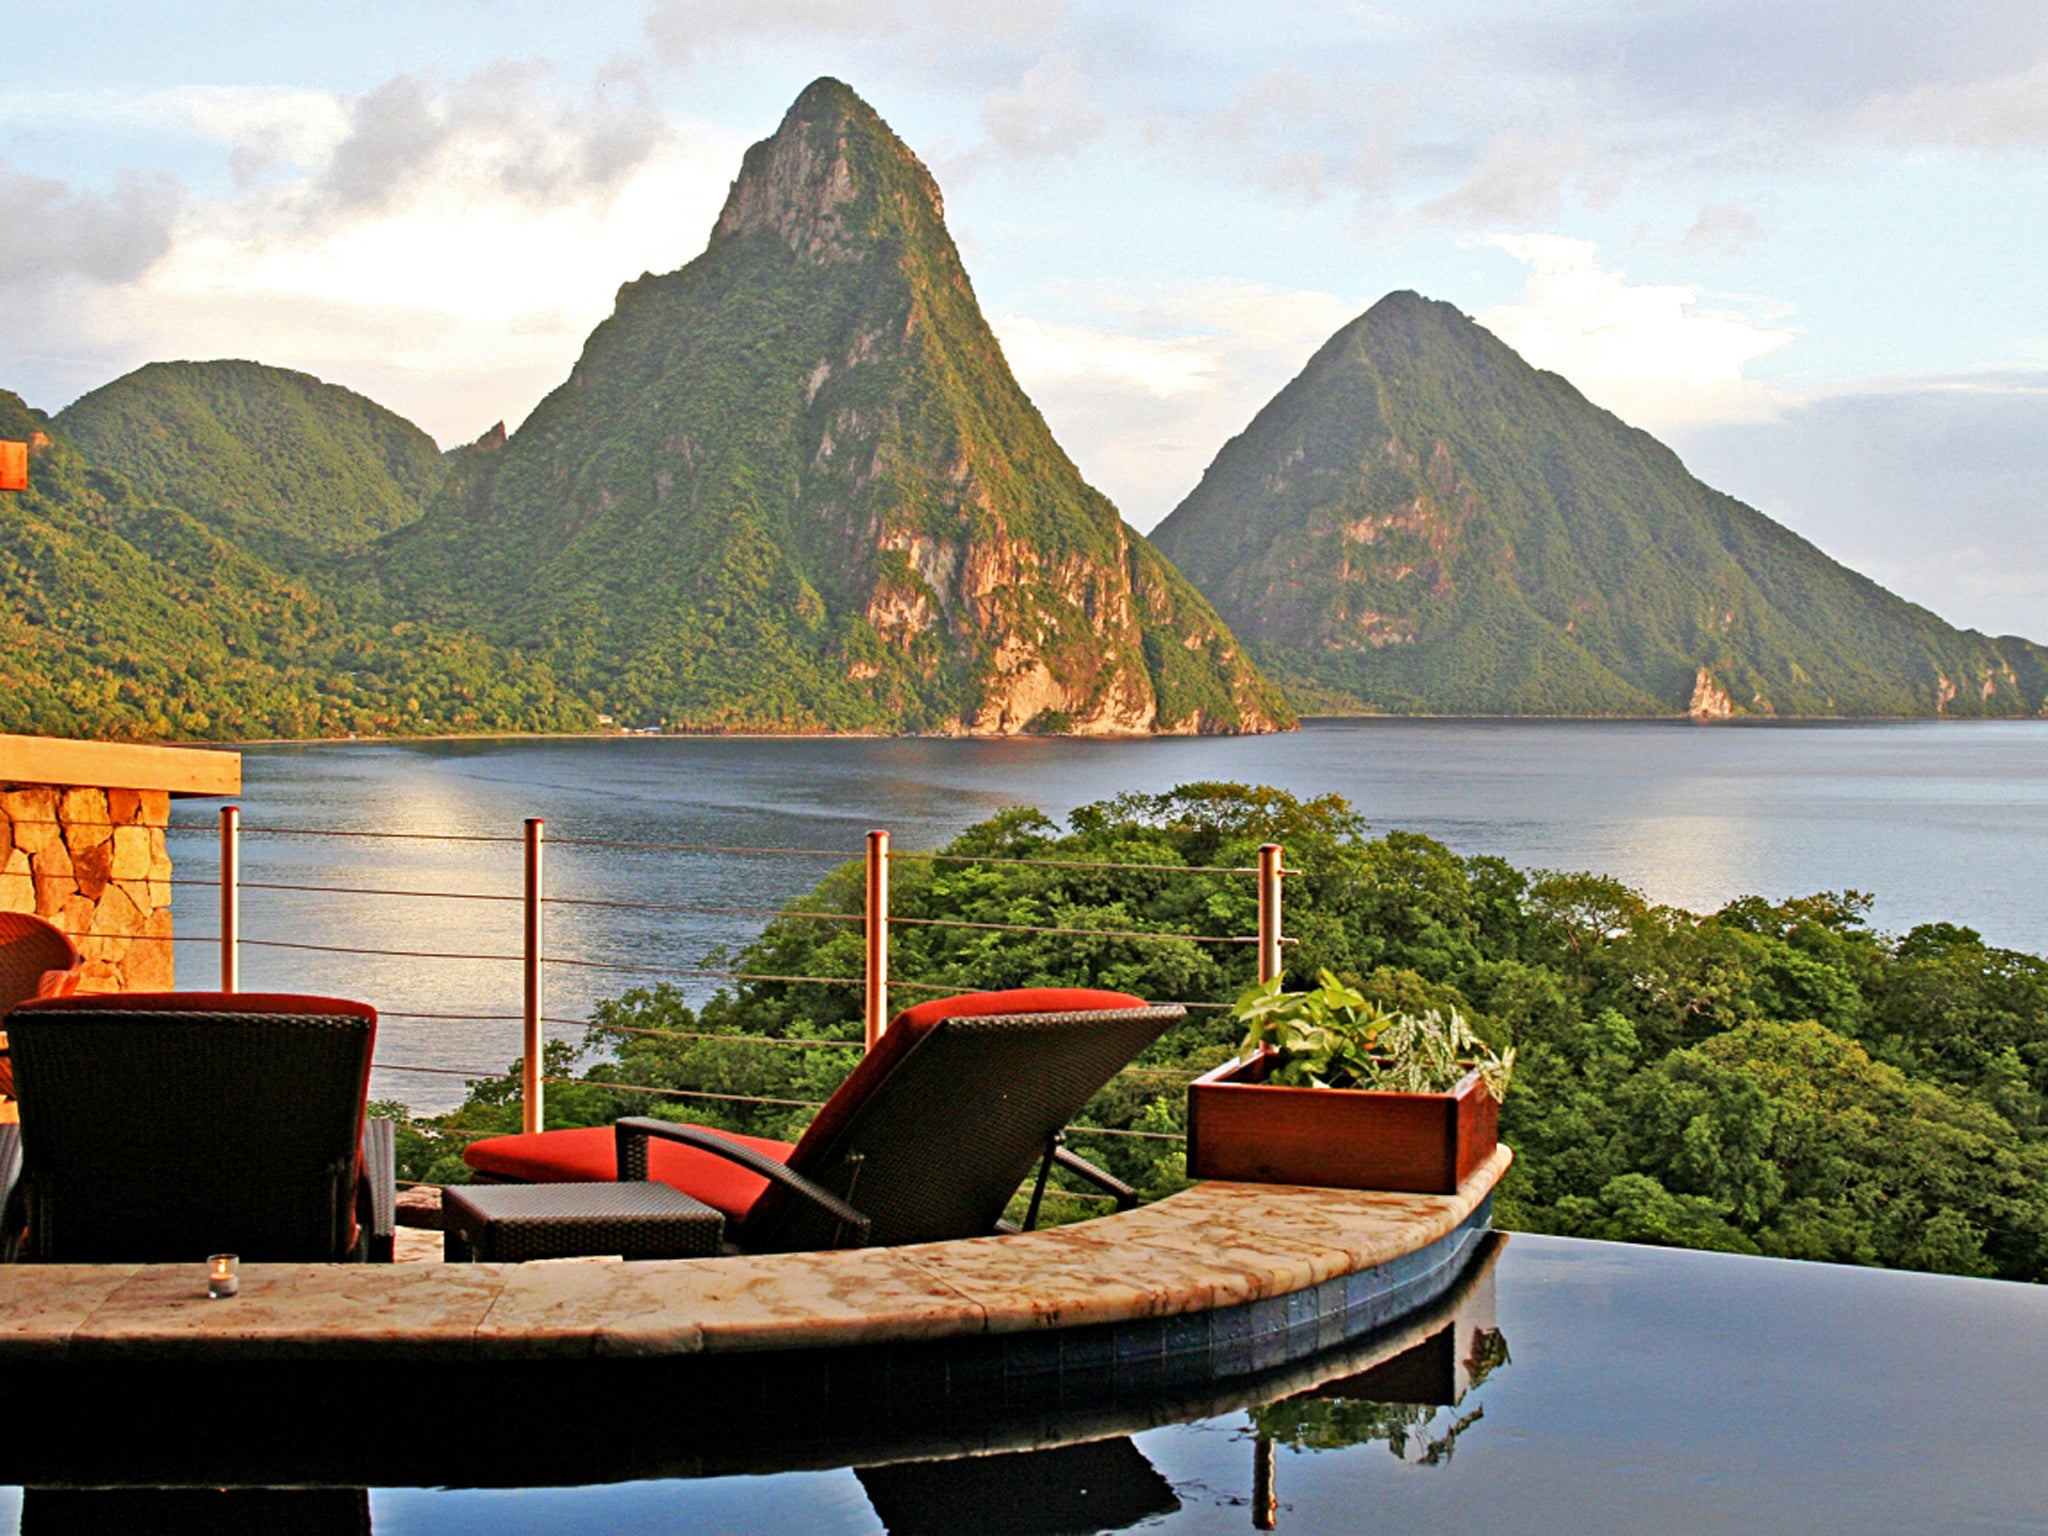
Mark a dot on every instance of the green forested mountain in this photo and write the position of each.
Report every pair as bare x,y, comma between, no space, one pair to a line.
291,469
1423,523
794,486
123,617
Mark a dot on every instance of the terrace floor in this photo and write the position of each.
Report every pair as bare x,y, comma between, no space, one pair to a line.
1208,1250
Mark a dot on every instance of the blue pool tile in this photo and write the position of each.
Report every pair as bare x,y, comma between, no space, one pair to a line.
1230,1341
1269,1316
1331,1327
1139,1338
1086,1350
1187,1333
1303,1307
974,1369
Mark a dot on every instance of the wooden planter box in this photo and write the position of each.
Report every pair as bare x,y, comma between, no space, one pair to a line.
1242,1128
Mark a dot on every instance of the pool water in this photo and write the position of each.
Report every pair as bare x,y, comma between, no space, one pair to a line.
1576,1386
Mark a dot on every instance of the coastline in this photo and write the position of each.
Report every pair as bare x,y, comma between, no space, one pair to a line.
1743,722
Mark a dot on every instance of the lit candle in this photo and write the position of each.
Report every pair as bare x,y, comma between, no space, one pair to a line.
221,1279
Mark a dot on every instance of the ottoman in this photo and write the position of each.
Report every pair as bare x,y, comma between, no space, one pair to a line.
636,1220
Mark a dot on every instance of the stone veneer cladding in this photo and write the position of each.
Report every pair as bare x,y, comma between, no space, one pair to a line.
93,862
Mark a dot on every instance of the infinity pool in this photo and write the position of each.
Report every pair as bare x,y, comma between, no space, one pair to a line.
1573,1386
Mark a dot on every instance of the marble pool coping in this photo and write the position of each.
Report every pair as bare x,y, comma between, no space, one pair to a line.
1213,1247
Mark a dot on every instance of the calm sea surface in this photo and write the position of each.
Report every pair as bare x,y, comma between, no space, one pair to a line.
1940,821
1631,1390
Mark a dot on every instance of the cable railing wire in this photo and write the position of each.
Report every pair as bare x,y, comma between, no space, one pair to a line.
621,968
551,901
1160,869
724,1098
767,912
1077,933
745,851
410,837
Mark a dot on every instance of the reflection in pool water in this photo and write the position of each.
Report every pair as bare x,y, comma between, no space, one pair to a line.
1413,1403
1649,1390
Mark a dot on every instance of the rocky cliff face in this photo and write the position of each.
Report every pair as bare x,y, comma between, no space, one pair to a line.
794,485
1421,522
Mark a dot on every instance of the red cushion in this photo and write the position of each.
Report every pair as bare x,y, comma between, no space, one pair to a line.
60,983
591,1155
912,1024
968,1005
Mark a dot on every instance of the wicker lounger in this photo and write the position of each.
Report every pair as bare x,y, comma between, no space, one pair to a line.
927,1139
161,1127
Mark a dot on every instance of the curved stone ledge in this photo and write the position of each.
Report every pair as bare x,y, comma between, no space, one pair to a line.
1310,1268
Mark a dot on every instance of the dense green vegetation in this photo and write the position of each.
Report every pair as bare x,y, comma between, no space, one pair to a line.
1770,1078
1422,523
124,617
289,469
794,485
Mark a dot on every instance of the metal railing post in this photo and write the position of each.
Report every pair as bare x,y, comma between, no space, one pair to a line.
877,1001
1265,1485
1270,964
230,898
536,1043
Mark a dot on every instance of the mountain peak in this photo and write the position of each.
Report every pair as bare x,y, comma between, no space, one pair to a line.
825,167
795,485
1421,522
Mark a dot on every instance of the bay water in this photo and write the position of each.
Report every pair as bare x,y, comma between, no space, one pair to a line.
1939,821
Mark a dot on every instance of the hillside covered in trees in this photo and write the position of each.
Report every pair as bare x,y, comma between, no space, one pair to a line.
794,485
1771,1078
124,616
1422,523
292,470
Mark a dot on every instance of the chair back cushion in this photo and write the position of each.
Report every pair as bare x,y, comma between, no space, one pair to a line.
162,1127
932,1133
30,949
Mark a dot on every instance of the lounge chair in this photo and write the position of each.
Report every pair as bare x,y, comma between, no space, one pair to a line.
926,1139
36,960
162,1127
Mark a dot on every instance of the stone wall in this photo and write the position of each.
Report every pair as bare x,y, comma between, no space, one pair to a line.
93,862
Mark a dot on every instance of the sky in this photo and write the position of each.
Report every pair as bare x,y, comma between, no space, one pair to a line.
1800,242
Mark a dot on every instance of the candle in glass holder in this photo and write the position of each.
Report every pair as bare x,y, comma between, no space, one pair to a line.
222,1281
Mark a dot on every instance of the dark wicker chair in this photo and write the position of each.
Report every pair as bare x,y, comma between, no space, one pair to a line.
36,960
927,1139
161,1127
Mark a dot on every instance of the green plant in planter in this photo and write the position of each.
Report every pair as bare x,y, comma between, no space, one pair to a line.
1333,1037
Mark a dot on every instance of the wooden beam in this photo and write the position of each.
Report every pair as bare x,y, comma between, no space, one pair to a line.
119,765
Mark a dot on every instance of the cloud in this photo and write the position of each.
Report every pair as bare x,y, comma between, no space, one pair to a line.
1054,355
54,232
499,132
1722,59
2008,111
1932,486
1304,133
61,249
1517,181
1649,352
1047,116
1144,396
443,245
1721,230
683,30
